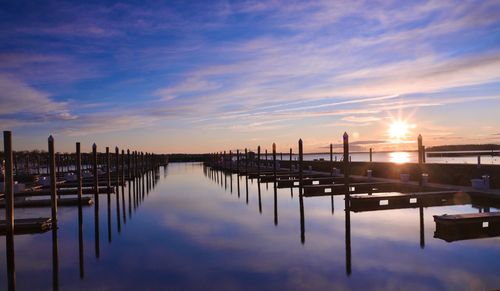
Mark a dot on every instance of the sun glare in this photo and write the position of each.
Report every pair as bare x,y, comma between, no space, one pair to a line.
398,130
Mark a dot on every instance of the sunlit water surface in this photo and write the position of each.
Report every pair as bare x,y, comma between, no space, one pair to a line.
194,232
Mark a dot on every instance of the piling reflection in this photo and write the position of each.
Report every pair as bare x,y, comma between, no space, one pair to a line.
80,242
55,260
11,265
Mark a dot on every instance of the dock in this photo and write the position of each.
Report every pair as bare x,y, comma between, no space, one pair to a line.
467,226
86,201
28,225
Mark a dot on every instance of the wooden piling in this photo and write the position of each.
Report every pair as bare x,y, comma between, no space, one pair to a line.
53,181
9,181
301,166
258,161
79,173
371,154
346,161
96,176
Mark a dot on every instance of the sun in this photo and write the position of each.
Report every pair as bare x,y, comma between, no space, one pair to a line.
398,130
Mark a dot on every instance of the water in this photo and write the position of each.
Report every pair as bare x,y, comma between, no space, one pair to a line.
193,232
401,157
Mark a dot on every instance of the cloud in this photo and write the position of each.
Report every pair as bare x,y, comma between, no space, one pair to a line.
21,101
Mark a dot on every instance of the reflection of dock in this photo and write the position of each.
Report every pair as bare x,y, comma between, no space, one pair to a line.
411,200
47,202
27,225
467,226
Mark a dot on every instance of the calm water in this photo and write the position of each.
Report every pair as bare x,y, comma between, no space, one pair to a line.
191,232
402,157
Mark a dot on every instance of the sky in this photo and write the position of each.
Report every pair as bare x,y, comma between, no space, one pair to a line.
206,76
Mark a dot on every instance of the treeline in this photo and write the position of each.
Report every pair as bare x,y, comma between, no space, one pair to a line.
464,147
180,158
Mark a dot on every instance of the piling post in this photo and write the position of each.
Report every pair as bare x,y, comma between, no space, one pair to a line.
238,161
274,162
230,161
423,154
117,168
301,166
420,159
53,181
94,173
258,161
331,159
128,164
79,173
346,161
371,155
290,160
246,161
9,181
108,171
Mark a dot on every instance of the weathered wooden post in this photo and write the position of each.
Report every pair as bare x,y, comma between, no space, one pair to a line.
371,155
258,163
53,181
238,161
301,166
423,154
230,160
128,165
274,161
96,177
246,162
9,209
419,149
79,173
331,159
8,182
291,168
346,162
420,160
108,171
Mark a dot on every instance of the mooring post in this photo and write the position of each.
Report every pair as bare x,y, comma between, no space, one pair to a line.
79,173
53,181
331,159
301,166
258,162
108,171
230,161
290,160
9,181
246,161
117,169
420,159
96,178
274,162
371,154
128,165
423,154
346,161
238,161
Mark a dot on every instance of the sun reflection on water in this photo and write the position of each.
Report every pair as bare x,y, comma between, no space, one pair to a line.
399,157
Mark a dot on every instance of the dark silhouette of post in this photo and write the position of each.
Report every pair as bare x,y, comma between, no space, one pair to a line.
371,155
53,181
9,209
79,172
238,161
117,185
422,233
96,198
301,198
420,160
123,187
258,164
346,161
290,160
275,188
246,162
331,159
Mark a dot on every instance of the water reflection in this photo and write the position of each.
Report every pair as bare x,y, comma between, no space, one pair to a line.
399,157
188,236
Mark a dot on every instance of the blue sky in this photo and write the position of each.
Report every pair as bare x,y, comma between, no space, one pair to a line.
174,76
